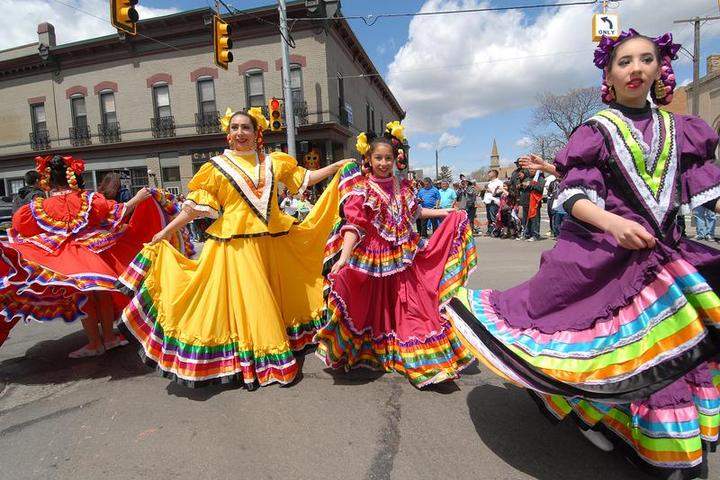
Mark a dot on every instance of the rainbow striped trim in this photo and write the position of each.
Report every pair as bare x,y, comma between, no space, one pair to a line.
460,264
73,225
433,359
200,364
667,317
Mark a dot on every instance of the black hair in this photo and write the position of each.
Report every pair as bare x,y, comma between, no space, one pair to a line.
32,177
58,174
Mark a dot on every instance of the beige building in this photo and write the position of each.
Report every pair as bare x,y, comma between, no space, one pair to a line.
709,89
148,108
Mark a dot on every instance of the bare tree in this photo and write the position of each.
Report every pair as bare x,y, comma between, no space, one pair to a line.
557,116
480,174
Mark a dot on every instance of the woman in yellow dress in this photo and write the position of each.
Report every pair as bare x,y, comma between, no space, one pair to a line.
255,293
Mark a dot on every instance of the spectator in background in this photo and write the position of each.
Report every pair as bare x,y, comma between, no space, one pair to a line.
429,197
289,205
27,193
304,206
704,223
491,199
112,189
448,196
470,197
534,209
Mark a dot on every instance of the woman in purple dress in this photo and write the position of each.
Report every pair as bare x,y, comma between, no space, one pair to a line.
620,327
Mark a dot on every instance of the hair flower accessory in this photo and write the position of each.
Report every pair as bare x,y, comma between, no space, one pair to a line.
362,145
256,113
225,120
397,130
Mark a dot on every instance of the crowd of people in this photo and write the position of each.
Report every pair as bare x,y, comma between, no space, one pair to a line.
618,330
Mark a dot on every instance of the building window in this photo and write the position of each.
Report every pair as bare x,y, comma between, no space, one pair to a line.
206,96
382,125
372,119
89,179
79,114
138,179
170,174
255,88
296,84
15,184
161,101
107,108
38,117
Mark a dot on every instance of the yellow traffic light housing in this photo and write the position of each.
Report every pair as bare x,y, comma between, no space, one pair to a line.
275,110
124,16
222,44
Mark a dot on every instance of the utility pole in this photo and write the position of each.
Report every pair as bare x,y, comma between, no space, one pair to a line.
696,60
287,93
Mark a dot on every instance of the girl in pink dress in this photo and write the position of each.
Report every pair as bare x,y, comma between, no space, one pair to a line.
386,285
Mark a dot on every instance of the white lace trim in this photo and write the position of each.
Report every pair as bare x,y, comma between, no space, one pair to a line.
700,199
306,181
658,208
206,211
570,192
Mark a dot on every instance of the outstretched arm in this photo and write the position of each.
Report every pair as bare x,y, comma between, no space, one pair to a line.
322,173
183,218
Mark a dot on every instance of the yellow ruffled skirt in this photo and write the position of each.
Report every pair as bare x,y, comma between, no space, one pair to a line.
236,313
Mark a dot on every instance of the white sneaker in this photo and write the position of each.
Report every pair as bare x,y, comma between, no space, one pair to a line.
598,439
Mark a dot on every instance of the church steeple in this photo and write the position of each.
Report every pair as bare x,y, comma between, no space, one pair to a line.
494,156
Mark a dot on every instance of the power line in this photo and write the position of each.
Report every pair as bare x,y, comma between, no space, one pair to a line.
105,20
371,19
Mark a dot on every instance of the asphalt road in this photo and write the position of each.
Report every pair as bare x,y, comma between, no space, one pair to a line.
113,418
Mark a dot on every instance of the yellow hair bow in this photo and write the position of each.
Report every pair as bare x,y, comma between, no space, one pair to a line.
256,113
362,145
225,120
397,130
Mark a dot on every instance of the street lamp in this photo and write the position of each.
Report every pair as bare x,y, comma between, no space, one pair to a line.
437,159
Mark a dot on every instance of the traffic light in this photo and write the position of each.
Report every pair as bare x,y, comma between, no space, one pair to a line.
123,15
276,121
222,42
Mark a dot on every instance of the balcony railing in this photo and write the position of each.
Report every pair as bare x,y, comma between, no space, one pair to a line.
80,135
207,122
40,140
109,132
301,112
163,127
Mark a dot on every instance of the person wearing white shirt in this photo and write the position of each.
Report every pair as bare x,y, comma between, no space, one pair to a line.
491,199
289,205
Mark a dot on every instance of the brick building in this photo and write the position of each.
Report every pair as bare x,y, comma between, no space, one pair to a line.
148,109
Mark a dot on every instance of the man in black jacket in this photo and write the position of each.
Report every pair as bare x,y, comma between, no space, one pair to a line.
31,190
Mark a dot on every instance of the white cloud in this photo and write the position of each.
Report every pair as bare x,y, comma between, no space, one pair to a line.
462,66
524,142
448,140
425,146
21,18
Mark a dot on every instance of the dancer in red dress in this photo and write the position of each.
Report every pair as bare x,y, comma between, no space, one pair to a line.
65,253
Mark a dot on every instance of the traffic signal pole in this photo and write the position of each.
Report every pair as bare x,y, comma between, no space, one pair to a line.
287,93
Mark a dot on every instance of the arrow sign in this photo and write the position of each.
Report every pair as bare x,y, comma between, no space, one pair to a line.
609,23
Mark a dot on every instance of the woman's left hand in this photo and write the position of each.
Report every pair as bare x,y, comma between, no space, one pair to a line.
533,162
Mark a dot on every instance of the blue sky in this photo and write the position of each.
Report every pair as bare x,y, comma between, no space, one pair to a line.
383,40
473,76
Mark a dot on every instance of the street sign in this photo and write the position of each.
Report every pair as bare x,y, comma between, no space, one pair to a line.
605,24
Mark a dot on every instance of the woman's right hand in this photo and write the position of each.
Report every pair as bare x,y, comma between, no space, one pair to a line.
338,265
159,236
630,234
142,194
